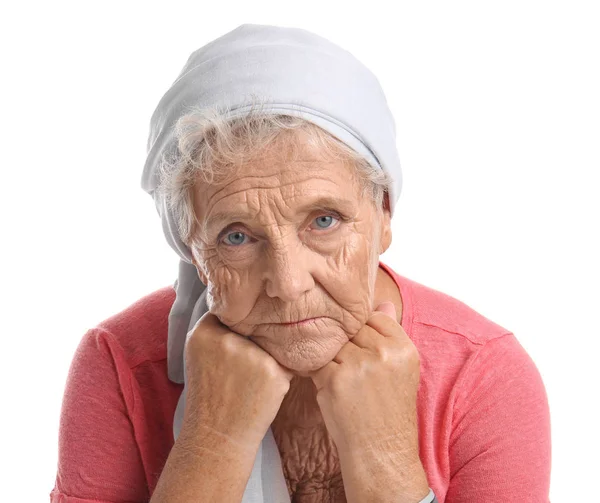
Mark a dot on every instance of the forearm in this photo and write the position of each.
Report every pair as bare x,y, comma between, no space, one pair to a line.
203,468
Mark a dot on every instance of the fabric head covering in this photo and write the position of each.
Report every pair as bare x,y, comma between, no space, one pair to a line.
291,71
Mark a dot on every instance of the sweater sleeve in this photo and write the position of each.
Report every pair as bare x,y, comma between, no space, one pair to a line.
98,456
500,442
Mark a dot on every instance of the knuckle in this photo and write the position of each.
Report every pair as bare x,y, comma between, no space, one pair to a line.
384,354
228,343
270,369
195,339
412,356
413,353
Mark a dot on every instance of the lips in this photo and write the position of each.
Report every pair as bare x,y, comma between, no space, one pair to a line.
299,322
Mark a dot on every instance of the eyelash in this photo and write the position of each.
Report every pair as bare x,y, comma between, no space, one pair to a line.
335,216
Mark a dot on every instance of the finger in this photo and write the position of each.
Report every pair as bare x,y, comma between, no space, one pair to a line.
388,308
385,325
366,338
349,353
209,320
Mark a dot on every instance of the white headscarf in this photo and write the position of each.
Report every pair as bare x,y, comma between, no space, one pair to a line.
294,72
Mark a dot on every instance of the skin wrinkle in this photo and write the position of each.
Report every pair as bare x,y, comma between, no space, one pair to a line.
243,189
290,269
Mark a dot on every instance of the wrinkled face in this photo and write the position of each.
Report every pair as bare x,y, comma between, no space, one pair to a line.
289,240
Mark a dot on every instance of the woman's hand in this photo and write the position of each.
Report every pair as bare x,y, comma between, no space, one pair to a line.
234,387
368,399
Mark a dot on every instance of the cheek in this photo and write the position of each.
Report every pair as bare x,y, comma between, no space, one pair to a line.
358,253
224,284
229,288
350,276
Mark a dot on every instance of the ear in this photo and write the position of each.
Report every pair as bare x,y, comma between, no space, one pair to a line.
385,234
385,237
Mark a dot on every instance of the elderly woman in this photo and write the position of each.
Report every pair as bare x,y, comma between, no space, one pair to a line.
288,363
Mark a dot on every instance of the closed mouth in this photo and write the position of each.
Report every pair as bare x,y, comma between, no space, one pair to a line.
299,322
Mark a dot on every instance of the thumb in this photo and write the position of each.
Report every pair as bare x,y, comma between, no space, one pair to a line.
387,308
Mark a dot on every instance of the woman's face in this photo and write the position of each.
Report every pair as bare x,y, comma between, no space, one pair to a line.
289,239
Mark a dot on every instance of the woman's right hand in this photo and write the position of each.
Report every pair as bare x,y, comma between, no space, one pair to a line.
234,387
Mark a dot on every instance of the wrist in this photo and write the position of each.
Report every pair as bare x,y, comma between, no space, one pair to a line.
383,480
197,437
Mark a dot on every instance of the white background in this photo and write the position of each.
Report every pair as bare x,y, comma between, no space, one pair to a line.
498,117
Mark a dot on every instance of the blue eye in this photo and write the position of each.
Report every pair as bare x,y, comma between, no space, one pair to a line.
235,238
325,221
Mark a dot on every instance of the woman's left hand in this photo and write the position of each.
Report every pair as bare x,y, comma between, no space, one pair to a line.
368,400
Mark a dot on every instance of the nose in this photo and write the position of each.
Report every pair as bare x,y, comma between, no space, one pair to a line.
288,274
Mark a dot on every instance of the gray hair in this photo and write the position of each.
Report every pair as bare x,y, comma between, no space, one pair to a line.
212,147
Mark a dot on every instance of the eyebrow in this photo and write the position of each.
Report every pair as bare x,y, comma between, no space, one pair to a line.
326,203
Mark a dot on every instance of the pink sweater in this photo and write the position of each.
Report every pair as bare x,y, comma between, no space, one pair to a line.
484,424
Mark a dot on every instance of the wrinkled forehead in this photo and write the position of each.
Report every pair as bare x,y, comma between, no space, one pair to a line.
289,172
290,188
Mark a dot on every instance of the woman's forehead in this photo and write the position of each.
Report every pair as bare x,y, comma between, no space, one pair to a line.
291,176
299,188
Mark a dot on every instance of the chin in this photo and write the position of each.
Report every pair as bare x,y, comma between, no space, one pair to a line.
304,358
303,368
